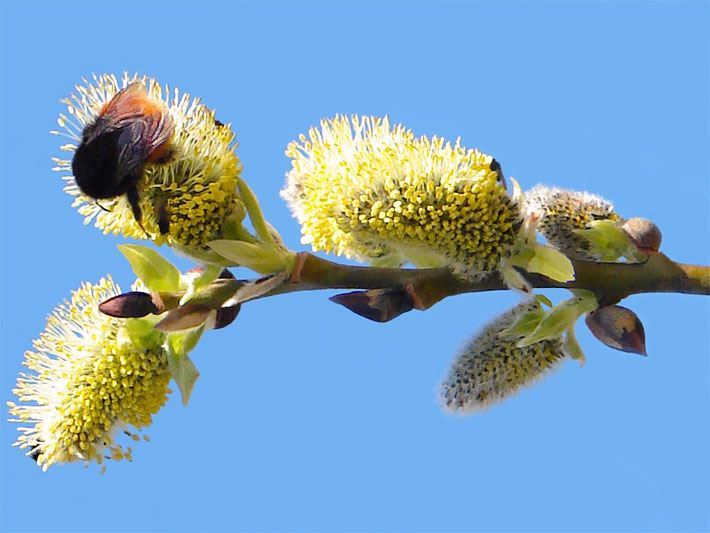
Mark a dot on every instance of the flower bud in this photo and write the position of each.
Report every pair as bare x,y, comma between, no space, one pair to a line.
492,366
618,328
562,214
134,304
644,234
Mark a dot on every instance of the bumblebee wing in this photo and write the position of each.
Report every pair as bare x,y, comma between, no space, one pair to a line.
158,130
128,104
132,148
134,104
142,124
124,107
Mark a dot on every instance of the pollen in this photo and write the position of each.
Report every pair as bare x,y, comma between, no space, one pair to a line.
87,384
195,188
367,190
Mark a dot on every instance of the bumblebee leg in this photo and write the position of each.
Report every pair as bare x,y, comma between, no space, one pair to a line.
34,455
162,216
495,167
134,201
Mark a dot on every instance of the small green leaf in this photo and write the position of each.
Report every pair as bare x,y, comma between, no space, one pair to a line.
183,342
157,273
204,277
141,330
255,215
543,300
546,261
559,318
420,256
178,345
138,332
524,325
202,254
607,238
194,280
572,348
390,260
265,260
514,279
184,373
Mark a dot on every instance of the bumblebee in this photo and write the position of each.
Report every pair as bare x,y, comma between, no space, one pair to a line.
130,131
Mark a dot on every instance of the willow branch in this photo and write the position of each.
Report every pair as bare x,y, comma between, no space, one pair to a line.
611,282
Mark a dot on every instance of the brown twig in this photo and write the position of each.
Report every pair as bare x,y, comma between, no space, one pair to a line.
611,282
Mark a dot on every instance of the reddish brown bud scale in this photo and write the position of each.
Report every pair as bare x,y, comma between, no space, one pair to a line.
618,328
644,234
378,305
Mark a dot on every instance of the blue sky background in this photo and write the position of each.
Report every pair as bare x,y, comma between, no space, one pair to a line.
307,417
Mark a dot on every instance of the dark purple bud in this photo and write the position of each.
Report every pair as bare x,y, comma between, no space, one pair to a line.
130,305
379,305
618,328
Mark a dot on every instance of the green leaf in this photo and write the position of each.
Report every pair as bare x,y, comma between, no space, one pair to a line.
607,238
420,256
559,318
524,325
201,254
182,369
389,260
194,281
197,280
140,330
265,260
184,373
572,348
156,272
514,279
543,300
183,342
255,215
546,261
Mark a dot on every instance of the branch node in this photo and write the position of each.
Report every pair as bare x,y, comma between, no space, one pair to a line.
418,302
298,267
